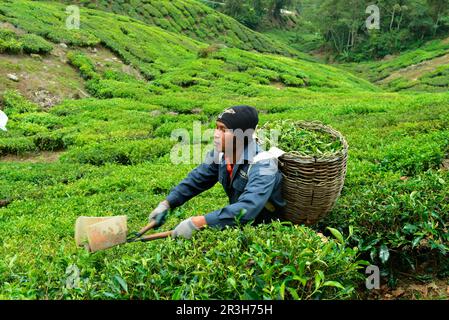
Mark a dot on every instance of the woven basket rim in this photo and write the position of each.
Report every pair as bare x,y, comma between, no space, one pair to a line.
317,125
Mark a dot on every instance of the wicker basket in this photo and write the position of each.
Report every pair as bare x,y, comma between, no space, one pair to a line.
311,186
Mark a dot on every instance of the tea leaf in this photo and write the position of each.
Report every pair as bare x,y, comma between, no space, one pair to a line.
336,234
122,282
333,284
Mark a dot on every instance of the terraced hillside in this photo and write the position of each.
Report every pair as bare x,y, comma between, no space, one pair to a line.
134,43
193,19
424,69
109,152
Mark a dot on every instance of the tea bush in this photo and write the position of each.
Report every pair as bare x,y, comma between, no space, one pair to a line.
394,215
125,152
83,64
32,43
426,81
272,262
173,51
15,103
191,18
27,43
16,146
234,267
9,42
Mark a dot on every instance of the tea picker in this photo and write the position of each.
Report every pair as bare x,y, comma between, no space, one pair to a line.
257,193
300,183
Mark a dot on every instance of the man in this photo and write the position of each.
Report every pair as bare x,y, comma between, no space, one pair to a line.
253,187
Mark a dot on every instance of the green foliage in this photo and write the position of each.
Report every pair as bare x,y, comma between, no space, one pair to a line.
35,44
83,64
302,37
206,52
304,265
411,216
292,81
393,73
190,17
256,14
33,129
291,137
437,79
15,103
27,43
338,28
9,43
122,152
135,47
16,146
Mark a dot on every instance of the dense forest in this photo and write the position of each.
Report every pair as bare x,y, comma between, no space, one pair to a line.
339,26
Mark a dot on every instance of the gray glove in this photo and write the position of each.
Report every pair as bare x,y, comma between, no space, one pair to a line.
160,213
185,229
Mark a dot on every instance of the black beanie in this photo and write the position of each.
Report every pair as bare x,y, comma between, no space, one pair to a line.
240,117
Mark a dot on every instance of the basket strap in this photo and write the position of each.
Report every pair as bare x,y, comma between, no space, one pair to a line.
273,153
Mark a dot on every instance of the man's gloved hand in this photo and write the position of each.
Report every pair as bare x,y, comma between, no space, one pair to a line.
160,213
185,229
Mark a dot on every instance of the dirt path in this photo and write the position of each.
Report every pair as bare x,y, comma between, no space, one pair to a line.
41,157
414,72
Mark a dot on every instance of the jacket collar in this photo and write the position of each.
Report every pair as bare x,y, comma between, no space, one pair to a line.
248,154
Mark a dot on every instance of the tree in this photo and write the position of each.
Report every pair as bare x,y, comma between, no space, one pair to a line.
437,10
276,6
252,12
341,22
249,13
234,8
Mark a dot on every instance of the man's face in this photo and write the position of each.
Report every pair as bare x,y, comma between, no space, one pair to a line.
223,138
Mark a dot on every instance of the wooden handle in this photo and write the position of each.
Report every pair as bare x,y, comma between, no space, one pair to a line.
156,236
149,226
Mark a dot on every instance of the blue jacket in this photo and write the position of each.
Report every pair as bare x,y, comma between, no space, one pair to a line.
245,191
